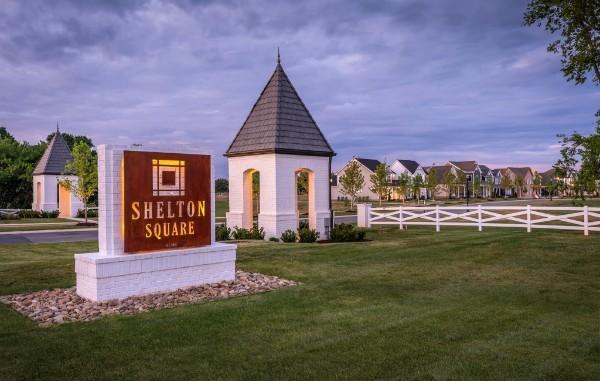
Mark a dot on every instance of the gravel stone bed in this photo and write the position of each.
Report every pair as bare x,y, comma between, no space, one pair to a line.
63,304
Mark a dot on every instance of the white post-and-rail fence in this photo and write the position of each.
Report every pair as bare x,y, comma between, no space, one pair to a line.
529,217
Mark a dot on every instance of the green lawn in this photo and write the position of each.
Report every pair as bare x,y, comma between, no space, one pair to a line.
460,304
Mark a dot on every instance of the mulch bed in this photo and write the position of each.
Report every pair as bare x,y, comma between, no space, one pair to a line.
64,305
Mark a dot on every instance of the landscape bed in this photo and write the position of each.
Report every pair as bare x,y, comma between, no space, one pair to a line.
458,304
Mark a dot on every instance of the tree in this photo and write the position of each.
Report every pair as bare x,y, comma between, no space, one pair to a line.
506,184
85,167
519,184
476,185
489,184
449,181
431,182
379,181
582,152
417,184
221,186
461,181
352,181
537,184
403,185
256,191
578,22
17,162
302,182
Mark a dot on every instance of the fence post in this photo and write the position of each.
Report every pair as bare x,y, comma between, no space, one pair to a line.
363,215
479,217
585,220
437,218
401,218
528,218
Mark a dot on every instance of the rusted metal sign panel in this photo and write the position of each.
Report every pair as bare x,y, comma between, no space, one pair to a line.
166,201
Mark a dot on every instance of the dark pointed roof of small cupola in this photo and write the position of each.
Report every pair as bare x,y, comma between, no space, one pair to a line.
55,157
279,122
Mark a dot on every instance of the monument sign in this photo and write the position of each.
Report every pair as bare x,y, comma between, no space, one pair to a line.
156,225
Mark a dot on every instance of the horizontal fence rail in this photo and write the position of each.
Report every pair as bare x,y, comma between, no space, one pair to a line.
583,218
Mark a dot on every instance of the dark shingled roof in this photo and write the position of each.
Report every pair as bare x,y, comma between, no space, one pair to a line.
369,163
485,170
55,157
411,165
279,122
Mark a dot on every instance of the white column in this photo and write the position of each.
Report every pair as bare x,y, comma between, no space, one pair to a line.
110,241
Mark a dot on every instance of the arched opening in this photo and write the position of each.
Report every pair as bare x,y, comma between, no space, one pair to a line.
64,201
305,198
251,197
38,195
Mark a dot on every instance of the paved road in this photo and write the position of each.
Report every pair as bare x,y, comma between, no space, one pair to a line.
49,237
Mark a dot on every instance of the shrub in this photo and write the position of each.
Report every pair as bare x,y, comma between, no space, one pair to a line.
288,236
222,232
303,224
347,233
306,235
49,213
256,232
240,233
29,213
274,239
91,213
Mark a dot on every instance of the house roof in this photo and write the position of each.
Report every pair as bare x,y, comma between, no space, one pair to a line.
371,164
520,171
484,169
279,122
411,165
467,166
440,172
497,171
55,157
548,175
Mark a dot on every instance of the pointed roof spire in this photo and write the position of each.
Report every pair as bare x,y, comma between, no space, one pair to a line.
278,57
55,157
279,122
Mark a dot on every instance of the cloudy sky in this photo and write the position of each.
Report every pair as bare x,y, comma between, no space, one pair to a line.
425,80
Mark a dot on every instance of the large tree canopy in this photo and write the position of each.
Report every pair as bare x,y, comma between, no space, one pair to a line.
578,22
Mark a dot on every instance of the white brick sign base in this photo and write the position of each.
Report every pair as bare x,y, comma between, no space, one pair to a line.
113,274
101,278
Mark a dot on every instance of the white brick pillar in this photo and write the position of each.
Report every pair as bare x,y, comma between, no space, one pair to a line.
110,241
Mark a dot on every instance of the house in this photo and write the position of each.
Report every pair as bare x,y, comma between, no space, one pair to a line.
441,171
527,175
487,181
411,169
497,190
471,170
48,194
367,168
